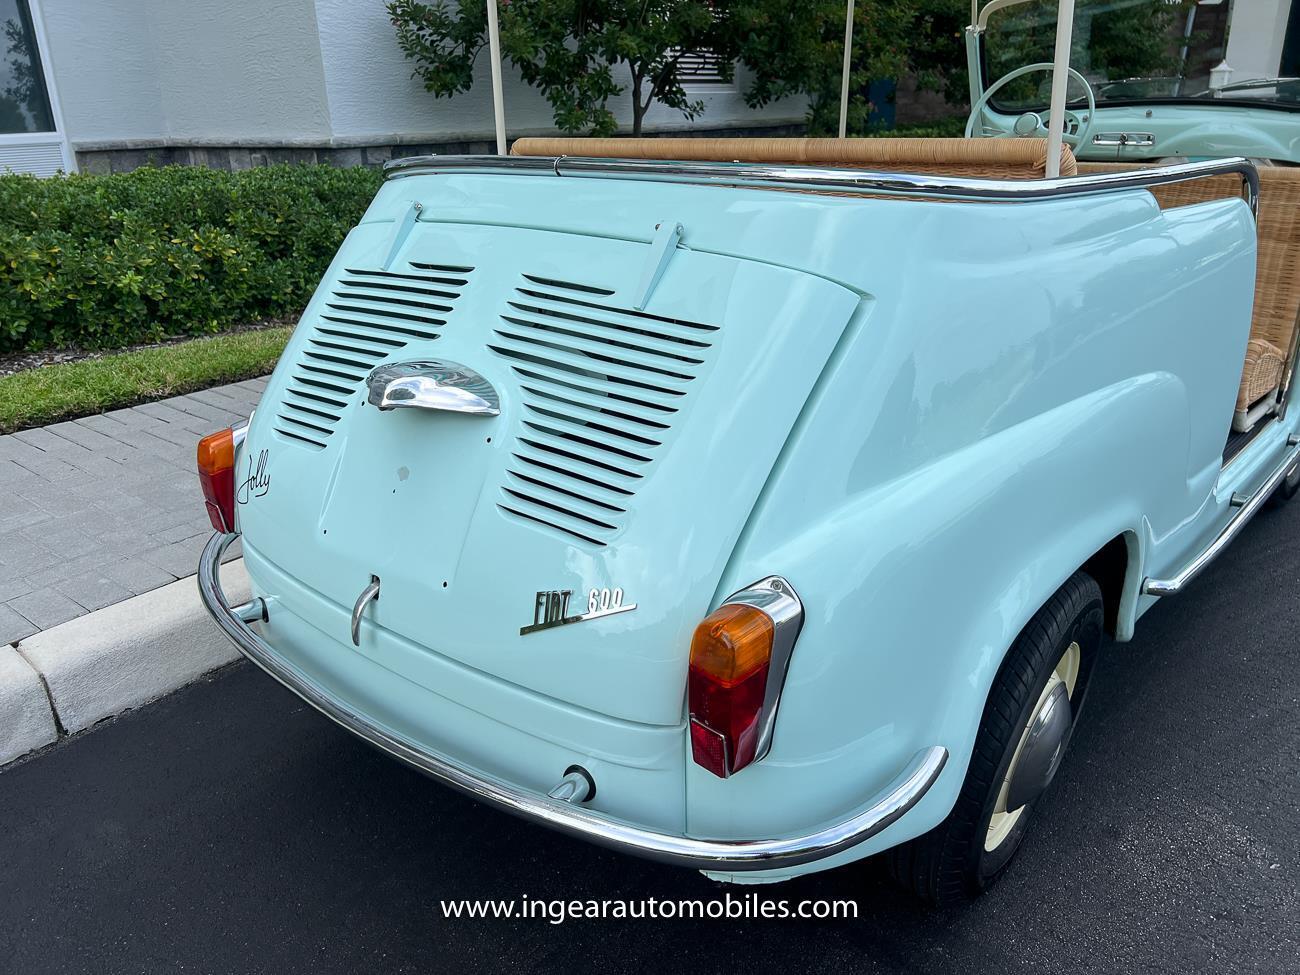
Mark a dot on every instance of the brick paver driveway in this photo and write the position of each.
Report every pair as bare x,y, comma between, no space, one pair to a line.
99,509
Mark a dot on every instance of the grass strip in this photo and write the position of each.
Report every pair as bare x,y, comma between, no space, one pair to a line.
65,391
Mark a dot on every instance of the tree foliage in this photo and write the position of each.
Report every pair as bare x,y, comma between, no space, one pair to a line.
583,53
443,39
793,49
1111,41
579,53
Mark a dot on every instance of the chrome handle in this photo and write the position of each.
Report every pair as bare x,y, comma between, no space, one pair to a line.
1139,140
367,594
432,384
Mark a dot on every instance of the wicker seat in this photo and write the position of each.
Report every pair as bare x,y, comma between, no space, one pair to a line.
1277,278
974,158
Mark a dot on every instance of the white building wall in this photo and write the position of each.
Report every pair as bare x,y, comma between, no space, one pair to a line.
373,98
140,73
241,71
104,63
198,71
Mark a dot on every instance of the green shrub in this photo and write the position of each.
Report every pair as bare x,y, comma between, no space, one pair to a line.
107,261
954,127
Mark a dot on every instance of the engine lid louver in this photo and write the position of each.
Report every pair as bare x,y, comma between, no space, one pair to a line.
601,388
369,316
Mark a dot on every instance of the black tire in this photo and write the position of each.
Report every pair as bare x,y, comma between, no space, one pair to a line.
949,864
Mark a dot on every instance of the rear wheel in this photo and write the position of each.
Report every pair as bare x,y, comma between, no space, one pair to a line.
1023,736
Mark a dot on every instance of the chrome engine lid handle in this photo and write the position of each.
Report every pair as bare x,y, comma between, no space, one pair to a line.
367,594
432,384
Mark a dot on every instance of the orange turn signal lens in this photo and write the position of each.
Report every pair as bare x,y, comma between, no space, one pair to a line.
732,642
216,462
726,685
217,452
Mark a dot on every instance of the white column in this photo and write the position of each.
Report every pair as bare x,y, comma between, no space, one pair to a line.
1255,36
1060,80
844,81
498,102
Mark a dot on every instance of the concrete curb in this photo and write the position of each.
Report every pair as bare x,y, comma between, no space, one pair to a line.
26,721
65,679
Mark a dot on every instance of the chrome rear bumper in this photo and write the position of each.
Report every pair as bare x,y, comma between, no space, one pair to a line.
904,792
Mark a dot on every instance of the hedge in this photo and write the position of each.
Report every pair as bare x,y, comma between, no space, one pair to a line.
107,261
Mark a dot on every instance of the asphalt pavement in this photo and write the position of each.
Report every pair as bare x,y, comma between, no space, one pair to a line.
230,828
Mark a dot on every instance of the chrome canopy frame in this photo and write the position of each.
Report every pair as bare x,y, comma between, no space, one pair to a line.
852,181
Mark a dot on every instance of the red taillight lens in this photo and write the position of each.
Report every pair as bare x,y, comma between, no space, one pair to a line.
217,478
731,654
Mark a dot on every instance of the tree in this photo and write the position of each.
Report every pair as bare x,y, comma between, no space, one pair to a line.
569,50
796,49
1133,39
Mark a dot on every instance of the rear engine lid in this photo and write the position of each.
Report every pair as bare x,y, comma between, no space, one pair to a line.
630,448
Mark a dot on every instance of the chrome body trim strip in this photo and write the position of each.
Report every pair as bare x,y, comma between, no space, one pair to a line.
727,856
1244,512
776,598
577,618
774,176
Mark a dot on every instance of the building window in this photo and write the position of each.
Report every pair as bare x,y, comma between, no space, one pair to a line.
24,102
701,68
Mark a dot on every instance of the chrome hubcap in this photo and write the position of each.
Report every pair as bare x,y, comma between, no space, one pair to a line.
1040,749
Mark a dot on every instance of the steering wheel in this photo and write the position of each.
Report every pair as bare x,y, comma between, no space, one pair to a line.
1031,123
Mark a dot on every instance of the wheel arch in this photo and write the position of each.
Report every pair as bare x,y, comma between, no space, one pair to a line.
1116,568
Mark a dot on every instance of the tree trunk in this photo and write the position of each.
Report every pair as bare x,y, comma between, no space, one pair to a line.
638,110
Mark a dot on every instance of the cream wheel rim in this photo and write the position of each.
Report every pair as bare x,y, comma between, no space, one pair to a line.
1004,820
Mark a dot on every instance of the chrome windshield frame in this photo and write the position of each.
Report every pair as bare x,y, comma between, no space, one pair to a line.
838,180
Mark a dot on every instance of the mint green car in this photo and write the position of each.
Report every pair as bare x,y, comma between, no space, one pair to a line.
767,506
753,517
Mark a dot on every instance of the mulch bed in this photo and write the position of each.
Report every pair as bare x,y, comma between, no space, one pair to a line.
16,362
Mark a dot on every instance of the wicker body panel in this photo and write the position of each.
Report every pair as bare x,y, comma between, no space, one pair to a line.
1277,276
972,158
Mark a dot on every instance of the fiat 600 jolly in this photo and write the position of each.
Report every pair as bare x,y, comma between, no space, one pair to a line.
756,506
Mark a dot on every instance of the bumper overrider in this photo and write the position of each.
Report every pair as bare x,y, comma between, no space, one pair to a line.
716,855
